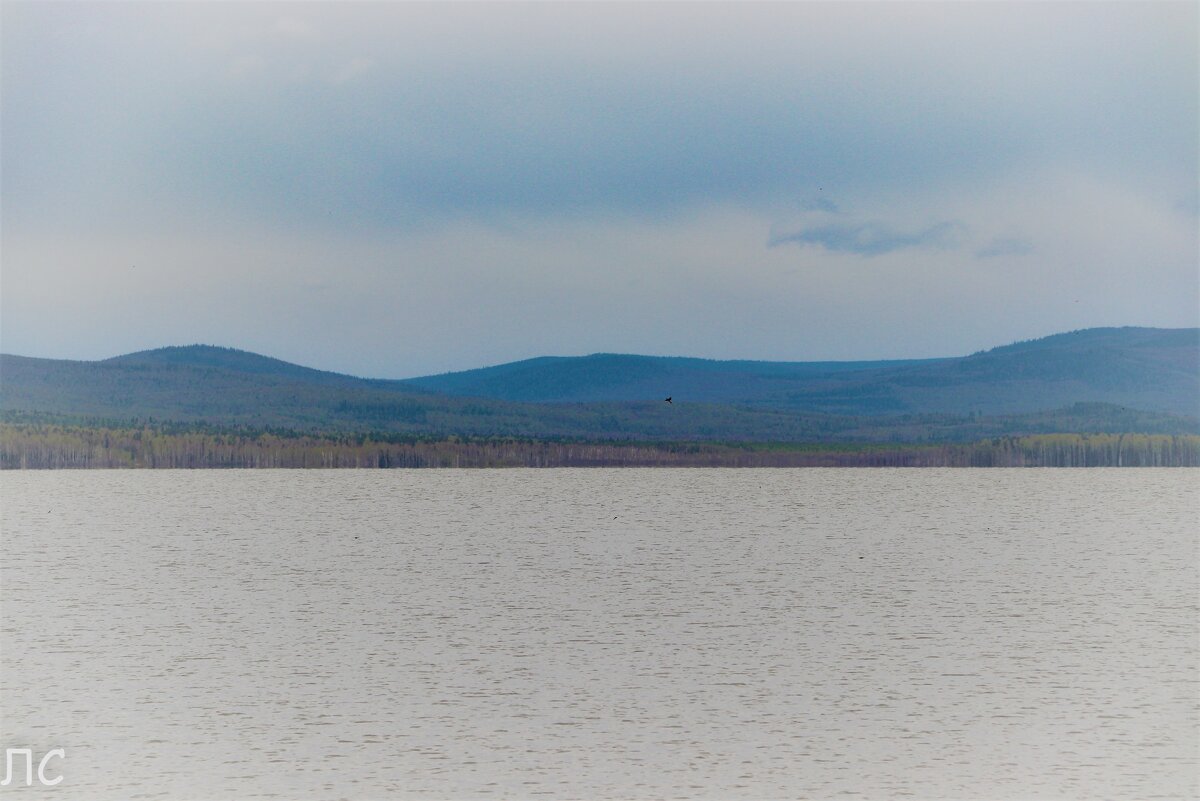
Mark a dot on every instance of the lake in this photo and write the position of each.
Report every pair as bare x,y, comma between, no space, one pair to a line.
604,634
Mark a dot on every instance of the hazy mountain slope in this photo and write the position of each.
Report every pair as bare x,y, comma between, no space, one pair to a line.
622,377
1100,380
253,391
219,358
1143,368
169,390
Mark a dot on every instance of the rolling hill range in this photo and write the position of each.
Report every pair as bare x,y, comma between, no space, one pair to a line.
619,377
1114,379
1143,368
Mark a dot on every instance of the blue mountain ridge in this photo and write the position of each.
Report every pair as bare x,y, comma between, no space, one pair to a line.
1104,374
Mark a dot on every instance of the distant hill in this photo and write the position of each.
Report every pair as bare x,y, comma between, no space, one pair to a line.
201,382
1114,379
620,377
230,359
1144,368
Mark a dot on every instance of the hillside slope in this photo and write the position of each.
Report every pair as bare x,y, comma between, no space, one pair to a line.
623,377
1143,368
229,359
1142,380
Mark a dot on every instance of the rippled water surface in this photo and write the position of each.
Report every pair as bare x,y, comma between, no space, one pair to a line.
604,634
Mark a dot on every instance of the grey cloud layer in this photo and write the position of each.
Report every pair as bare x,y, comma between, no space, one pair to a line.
1005,246
392,115
403,188
874,238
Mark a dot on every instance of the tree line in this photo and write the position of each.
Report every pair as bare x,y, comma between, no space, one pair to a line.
52,446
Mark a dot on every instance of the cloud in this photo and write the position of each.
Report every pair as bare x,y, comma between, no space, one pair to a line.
295,29
352,69
615,187
481,111
821,204
825,225
1005,246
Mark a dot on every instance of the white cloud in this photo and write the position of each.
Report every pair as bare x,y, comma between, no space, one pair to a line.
295,29
351,70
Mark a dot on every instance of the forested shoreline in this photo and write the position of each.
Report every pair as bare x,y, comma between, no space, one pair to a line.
51,446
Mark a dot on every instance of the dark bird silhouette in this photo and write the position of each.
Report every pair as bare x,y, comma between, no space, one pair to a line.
668,399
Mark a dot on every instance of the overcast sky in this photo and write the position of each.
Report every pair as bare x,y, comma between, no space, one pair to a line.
394,189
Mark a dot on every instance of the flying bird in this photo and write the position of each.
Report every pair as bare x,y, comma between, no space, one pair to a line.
668,399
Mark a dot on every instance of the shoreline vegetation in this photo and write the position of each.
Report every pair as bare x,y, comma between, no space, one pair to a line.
173,446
